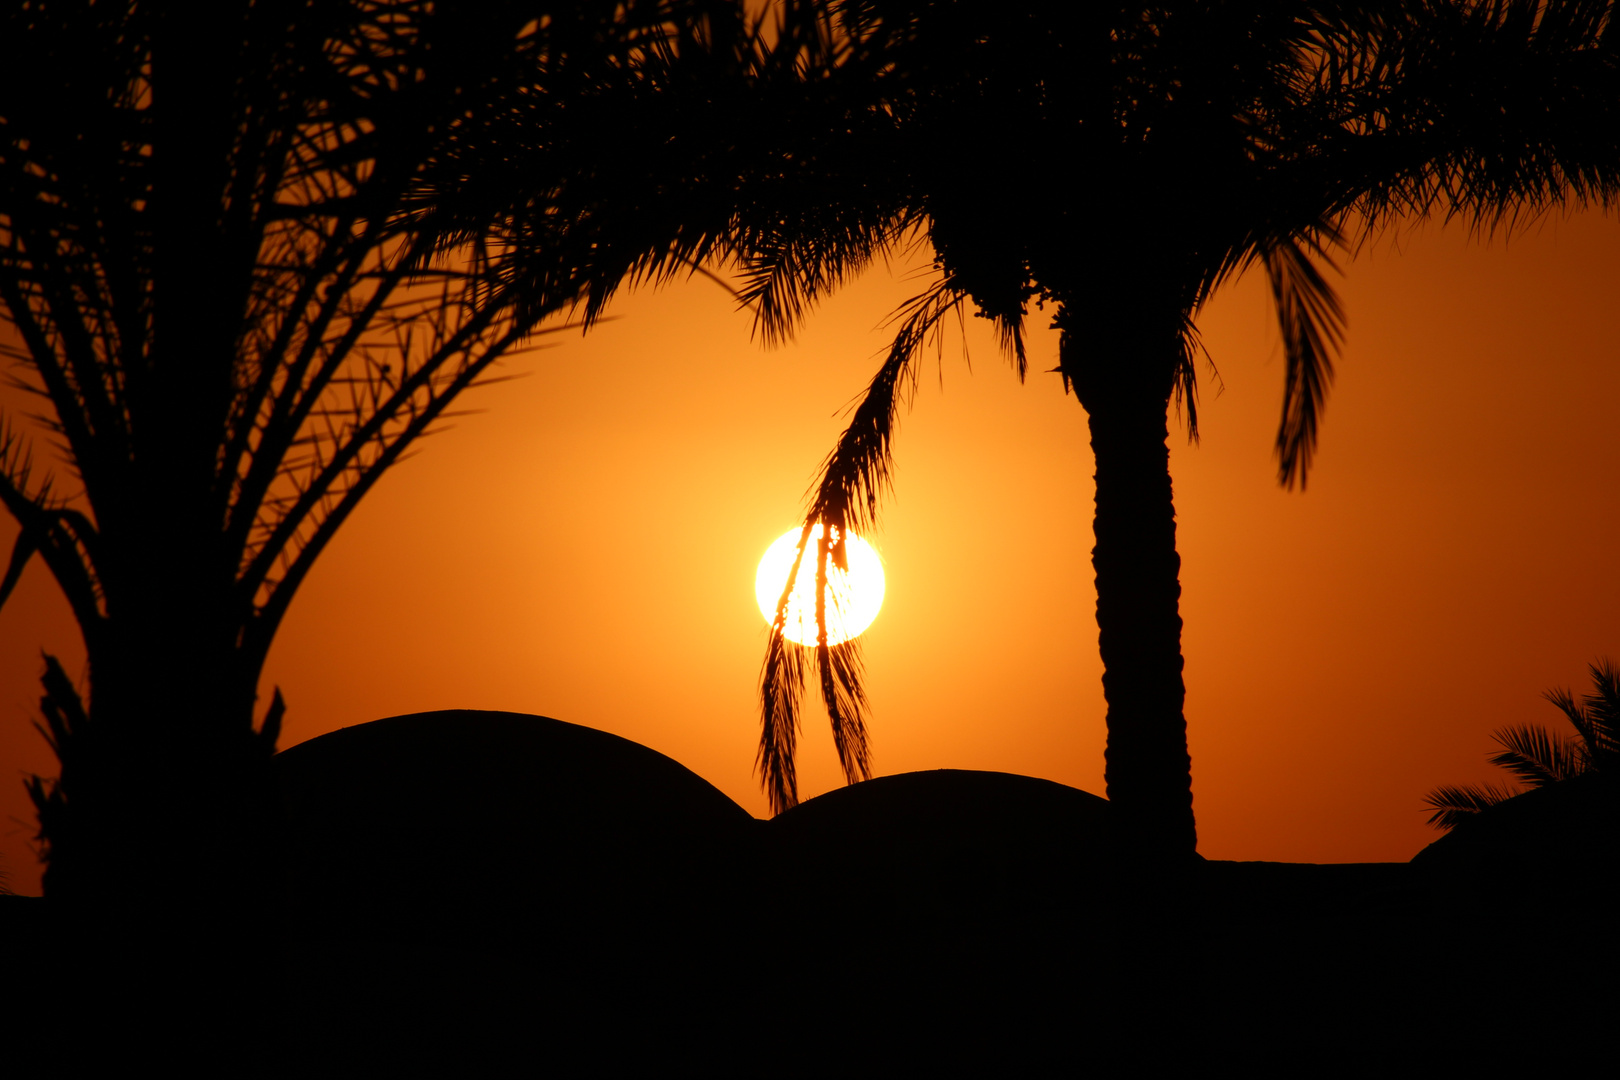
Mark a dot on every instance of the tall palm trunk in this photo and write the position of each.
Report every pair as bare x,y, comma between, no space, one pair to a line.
162,831
1124,374
163,778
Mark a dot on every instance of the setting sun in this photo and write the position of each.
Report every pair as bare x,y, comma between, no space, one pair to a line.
853,597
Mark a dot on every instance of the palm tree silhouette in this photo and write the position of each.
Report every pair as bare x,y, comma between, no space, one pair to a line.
1142,156
1537,757
265,253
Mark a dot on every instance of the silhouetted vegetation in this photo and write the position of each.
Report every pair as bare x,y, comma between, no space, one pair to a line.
253,251
1119,165
251,256
1537,757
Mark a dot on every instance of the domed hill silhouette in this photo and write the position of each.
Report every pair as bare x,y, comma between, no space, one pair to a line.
947,847
477,889
991,826
943,903
503,832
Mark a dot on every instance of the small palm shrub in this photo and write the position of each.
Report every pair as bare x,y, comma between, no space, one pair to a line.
1537,757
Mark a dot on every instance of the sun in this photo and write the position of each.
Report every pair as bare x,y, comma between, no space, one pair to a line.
853,598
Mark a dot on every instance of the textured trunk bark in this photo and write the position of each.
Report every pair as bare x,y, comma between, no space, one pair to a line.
1124,382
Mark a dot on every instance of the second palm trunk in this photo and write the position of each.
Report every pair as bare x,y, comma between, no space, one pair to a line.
1149,772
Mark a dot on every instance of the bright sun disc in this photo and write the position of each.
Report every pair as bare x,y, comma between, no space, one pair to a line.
853,598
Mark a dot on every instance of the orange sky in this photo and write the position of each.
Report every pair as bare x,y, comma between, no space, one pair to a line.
584,548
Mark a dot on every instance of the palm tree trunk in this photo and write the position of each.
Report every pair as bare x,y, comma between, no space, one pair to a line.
162,837
1125,385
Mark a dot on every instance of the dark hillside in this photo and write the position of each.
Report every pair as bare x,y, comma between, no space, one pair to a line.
608,911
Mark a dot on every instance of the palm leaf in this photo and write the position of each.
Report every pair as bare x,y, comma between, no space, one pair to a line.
1537,757
788,269
1603,713
840,669
781,693
1311,318
67,729
858,470
21,552
1455,805
1575,712
845,499
782,683
1185,392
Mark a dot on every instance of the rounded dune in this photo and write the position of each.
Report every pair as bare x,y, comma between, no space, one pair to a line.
541,820
949,847
951,815
963,914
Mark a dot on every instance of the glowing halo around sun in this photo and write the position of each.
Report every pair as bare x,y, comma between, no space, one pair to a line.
853,598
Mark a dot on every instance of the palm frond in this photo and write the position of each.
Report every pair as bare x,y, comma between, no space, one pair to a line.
67,729
1502,111
1010,336
1537,757
781,693
789,267
845,499
782,683
21,552
1312,320
1574,711
1455,805
1603,714
1185,394
841,671
840,666
858,470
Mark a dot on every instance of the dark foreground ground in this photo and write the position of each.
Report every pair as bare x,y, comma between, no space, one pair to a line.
611,912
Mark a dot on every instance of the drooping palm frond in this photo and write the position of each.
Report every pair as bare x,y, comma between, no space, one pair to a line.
1455,805
1537,757
781,698
787,667
1184,394
858,470
840,668
1311,319
853,478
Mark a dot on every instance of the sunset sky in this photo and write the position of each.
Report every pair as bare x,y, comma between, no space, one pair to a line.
583,546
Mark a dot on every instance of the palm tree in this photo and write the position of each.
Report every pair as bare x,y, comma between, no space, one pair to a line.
1537,757
252,251
1142,156
256,265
